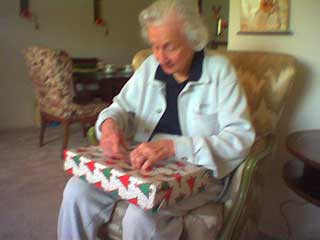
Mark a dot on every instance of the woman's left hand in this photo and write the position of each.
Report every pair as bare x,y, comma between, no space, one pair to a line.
148,153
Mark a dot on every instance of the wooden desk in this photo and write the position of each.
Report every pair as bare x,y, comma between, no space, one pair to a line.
303,174
97,84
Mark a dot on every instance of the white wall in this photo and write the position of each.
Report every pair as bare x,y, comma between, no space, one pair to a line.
303,112
63,24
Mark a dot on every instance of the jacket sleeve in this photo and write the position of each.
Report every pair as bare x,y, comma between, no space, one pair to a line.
224,151
123,107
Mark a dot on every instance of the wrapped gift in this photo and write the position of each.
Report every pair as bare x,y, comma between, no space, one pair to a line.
164,184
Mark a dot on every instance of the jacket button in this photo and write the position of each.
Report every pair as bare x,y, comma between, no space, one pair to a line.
159,110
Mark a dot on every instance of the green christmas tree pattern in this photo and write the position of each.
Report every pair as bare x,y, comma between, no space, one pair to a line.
107,173
145,189
76,159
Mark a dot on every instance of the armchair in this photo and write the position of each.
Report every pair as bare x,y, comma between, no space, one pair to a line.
51,74
267,79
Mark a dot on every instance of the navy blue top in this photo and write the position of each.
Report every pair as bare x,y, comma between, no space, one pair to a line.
169,122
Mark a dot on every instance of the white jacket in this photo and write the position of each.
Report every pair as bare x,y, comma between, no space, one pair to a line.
214,120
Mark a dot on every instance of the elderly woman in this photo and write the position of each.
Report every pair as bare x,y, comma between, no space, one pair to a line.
180,103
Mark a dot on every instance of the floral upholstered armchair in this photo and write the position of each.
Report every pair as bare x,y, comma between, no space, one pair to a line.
51,74
267,79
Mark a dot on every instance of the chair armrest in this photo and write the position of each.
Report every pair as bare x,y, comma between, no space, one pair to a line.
260,150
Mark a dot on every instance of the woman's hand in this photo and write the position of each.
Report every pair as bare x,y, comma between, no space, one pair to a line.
148,153
113,142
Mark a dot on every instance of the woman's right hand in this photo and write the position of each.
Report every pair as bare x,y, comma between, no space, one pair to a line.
113,142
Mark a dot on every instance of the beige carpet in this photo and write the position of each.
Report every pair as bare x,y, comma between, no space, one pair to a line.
31,182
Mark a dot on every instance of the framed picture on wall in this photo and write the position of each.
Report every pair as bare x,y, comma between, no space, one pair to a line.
264,17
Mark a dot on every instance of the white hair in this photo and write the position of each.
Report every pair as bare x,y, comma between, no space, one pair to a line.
193,27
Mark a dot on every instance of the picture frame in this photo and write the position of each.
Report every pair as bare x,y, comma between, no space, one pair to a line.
264,17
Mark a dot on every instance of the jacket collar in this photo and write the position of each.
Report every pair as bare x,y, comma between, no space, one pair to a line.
195,70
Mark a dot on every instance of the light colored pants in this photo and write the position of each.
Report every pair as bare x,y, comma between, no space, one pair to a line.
85,208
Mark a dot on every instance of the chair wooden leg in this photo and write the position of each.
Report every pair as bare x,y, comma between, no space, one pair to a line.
43,124
65,137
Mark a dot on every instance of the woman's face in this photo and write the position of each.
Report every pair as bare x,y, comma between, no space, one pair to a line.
170,47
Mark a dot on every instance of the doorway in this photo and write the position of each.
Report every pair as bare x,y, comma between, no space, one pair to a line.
216,16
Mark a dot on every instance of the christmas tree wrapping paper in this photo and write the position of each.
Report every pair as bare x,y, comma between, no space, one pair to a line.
162,185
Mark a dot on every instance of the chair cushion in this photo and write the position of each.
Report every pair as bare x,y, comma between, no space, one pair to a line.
74,110
266,79
210,214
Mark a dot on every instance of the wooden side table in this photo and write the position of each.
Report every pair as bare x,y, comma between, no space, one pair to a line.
303,174
98,84
110,86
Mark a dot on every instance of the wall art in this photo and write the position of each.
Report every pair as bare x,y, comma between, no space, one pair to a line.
264,16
